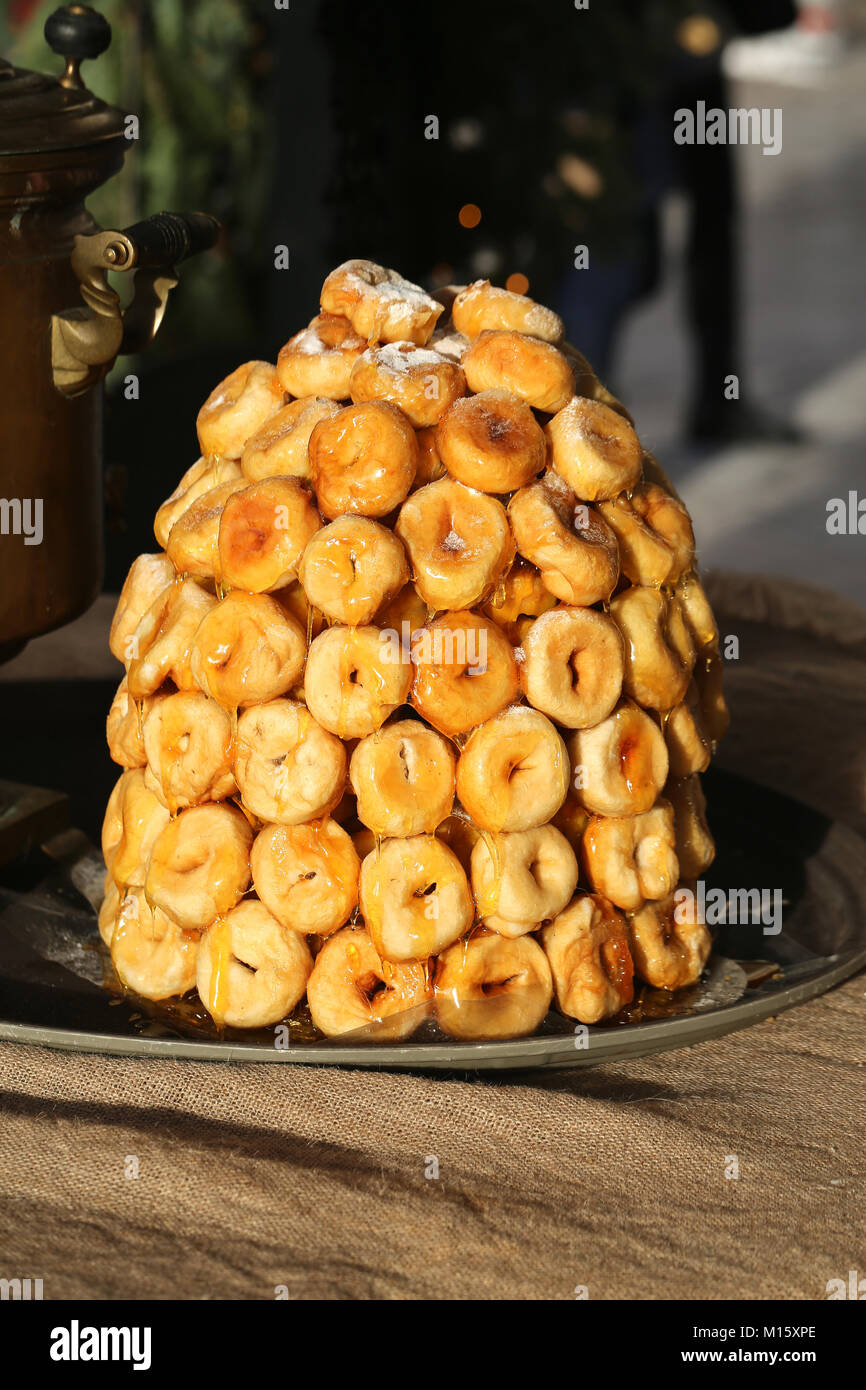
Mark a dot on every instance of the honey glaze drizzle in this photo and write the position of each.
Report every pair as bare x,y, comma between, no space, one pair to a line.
219,947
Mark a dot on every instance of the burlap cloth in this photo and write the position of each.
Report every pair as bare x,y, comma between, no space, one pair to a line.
254,1177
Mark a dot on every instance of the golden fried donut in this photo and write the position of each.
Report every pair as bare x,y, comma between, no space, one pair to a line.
464,672
491,441
587,947
449,343
522,879
351,568
631,858
149,576
492,987
518,598
695,848
318,361
594,449
133,821
484,306
380,305
403,616
203,477
288,768
354,679
459,543
686,736
414,898
363,459
247,649
669,943
193,545
250,971
586,383
570,543
527,367
430,465
123,727
697,613
403,777
714,709
656,541
188,741
621,764
351,989
306,875
573,666
513,771
279,449
108,910
152,955
659,655
263,532
236,408
421,381
199,865
162,643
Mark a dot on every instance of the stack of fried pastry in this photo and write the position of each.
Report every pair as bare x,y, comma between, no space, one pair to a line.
418,687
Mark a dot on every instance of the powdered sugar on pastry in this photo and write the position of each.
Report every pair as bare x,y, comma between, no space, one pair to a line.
380,305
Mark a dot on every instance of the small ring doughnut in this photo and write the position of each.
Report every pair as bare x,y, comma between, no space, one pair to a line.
403,777
289,769
524,879
573,547
430,466
149,576
306,875
656,540
152,955
526,367
134,820
484,306
279,449
699,617
492,987
355,678
263,532
573,666
594,449
414,898
695,848
491,441
621,764
464,672
422,382
123,727
352,989
686,737
202,477
188,742
162,642
629,859
246,650
318,361
669,944
659,654
449,343
193,545
363,460
351,568
237,408
519,597
459,543
250,971
588,950
380,305
513,771
199,865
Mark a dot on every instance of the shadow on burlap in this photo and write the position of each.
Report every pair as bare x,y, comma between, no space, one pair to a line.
254,1177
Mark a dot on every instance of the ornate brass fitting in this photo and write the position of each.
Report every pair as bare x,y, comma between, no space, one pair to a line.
86,340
